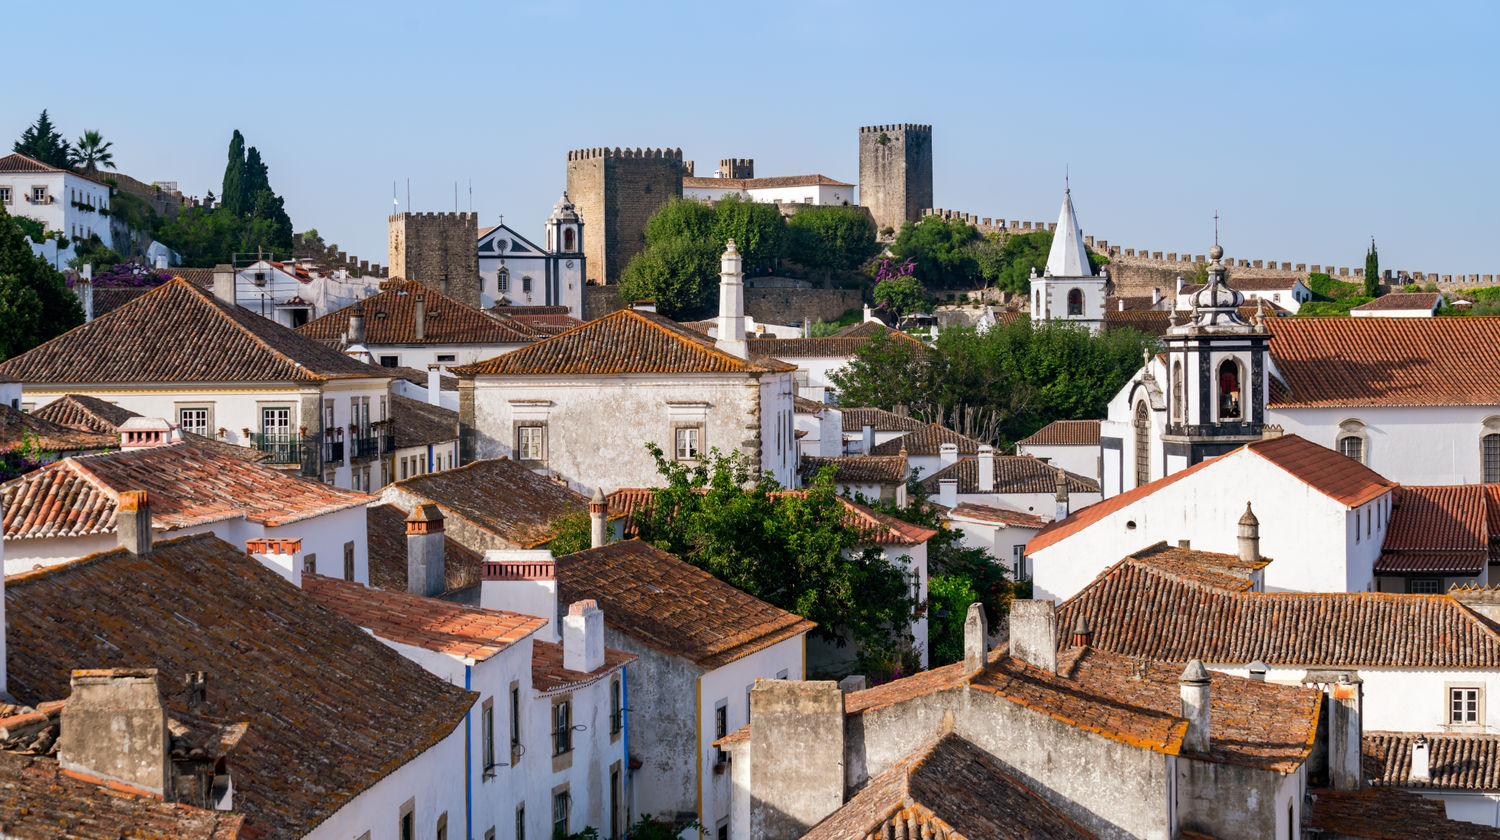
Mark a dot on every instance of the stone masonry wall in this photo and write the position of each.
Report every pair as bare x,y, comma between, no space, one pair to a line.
895,172
616,191
438,250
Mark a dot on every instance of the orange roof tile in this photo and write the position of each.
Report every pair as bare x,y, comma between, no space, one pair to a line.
1401,300
548,673
856,419
390,318
1064,433
18,427
997,516
1013,474
1434,530
499,496
1386,814
928,439
857,469
386,533
106,417
1454,761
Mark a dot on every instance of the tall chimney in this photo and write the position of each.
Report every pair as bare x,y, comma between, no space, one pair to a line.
1345,732
115,728
357,324
434,384
1421,763
133,521
1249,536
84,288
224,283
583,637
795,788
948,492
598,512
1033,633
947,454
867,438
986,468
1062,496
1193,685
976,638
1083,634
419,316
521,581
732,304
425,574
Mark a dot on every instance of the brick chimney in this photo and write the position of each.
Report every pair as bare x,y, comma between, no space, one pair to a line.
598,514
985,468
1083,634
425,573
583,637
282,556
133,521
419,316
976,638
1033,633
1193,687
115,728
521,581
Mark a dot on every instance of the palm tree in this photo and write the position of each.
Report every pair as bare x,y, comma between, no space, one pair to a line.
92,152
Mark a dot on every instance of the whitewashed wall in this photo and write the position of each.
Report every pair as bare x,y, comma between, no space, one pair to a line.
434,779
1080,460
1415,445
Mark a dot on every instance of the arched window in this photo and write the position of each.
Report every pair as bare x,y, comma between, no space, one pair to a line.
1489,452
1352,440
1075,301
568,240
1178,398
1142,444
1229,390
502,279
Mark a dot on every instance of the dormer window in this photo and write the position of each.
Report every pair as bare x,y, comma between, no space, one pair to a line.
1229,390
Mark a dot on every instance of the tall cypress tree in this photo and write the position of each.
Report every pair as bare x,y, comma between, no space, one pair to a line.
232,198
1372,271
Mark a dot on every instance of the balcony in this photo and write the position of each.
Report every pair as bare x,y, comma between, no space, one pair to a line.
366,447
387,442
283,449
333,452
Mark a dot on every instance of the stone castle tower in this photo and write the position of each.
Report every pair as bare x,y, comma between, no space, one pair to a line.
438,250
895,172
615,192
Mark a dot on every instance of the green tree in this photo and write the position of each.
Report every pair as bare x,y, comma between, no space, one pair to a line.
93,251
571,532
1372,271
681,219
948,598
681,275
91,152
35,303
232,194
42,141
939,247
797,551
904,295
886,372
757,228
831,238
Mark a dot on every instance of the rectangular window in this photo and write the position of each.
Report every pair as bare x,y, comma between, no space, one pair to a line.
1489,447
782,674
515,721
1426,586
194,421
309,564
390,361
521,821
721,728
276,423
614,803
407,825
1018,561
328,414
1463,705
689,440
722,832
447,357
526,285
562,727
559,815
487,735
349,560
38,195
616,719
4,195
531,443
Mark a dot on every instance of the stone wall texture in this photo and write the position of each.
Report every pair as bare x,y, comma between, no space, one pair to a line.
616,191
438,250
895,172
791,306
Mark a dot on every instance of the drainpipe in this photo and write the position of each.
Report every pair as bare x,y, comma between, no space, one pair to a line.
468,763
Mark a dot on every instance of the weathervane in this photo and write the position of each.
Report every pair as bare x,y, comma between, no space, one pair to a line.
1216,227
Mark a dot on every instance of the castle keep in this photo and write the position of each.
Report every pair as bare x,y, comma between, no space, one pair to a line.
437,250
615,192
895,172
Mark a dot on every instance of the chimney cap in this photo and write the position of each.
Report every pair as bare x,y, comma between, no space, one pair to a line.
1249,517
427,512
1258,667
1194,673
598,496
1081,626
582,607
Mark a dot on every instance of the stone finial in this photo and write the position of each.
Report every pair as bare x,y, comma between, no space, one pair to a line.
1194,690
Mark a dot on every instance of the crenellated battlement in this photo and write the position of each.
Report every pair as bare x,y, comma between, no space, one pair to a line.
617,152
437,216
915,127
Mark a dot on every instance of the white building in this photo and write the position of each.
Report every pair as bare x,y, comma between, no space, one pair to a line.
289,293
930,448
873,477
1400,305
784,189
1288,293
1325,516
1068,289
515,270
819,428
1072,445
426,438
1013,482
74,205
583,405
1001,532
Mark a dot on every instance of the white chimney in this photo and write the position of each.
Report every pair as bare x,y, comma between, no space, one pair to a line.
1033,633
224,283
867,438
434,384
644,306
985,466
732,304
1180,284
583,637
1249,536
425,546
1421,762
161,262
976,638
83,287
145,432
1062,496
282,556
1193,688
948,492
1120,304
598,513
521,581
1155,297
948,454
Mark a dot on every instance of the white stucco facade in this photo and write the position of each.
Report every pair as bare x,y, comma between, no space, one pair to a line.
1005,543
1409,444
1081,460
824,432
810,192
429,787
526,274
292,295
420,355
62,201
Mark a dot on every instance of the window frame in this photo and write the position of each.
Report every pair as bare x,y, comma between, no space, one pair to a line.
487,737
616,707
562,806
7,195
1223,404
562,727
349,564
1489,431
1424,586
1353,430
524,426
696,430
208,417
406,820
516,748
1075,302
310,563
1451,694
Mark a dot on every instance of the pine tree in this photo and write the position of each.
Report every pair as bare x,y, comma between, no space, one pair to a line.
232,196
1372,271
44,142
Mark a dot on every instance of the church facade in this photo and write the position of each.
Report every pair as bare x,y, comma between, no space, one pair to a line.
516,271
1068,288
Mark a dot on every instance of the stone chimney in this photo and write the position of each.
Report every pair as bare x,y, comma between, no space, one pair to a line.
1180,283
976,638
1062,496
1033,633
732,304
1258,670
419,316
115,728
133,521
522,581
1193,685
1345,732
598,514
867,438
425,573
1421,761
83,287
1249,536
948,492
224,283
282,556
434,384
583,637
947,454
644,306
357,324
985,468
1083,634
145,432
792,790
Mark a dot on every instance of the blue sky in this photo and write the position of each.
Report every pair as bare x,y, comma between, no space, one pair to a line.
1309,127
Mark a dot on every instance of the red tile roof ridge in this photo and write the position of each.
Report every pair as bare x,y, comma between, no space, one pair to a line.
549,676
1313,455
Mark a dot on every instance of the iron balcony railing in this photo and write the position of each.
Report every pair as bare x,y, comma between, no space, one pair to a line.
283,449
333,452
366,447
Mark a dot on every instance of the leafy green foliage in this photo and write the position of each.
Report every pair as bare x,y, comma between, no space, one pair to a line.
91,152
35,303
24,457
794,550
249,215
681,275
757,228
572,532
903,295
42,140
1372,271
831,238
232,199
1026,373
1325,288
948,598
939,247
31,228
680,267
93,251
1330,307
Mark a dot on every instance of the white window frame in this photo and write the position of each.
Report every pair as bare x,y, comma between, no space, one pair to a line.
692,435
1467,694
207,429
531,442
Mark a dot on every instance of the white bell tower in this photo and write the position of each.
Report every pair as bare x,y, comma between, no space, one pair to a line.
1068,290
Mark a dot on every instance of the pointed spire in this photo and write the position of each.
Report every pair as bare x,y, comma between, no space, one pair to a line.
1068,257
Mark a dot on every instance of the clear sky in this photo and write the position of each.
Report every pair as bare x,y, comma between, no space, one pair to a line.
1309,127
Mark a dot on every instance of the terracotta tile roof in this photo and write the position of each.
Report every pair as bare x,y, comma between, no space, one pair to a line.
188,486
324,700
1013,474
878,528
417,423
1387,361
1437,530
390,318
178,332
109,298
825,347
386,534
773,182
545,320
17,426
952,789
21,163
105,417
197,276
1064,433
870,329
548,673
927,440
857,469
1401,300
672,605
803,405
1206,613
1385,814
625,341
1334,475
500,496
419,377
856,419
432,624
997,516
1454,762
40,801
1250,284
